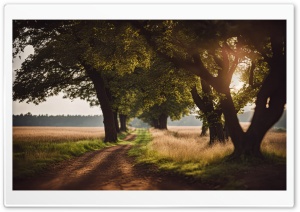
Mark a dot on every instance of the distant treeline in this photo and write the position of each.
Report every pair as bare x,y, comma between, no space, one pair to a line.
247,116
59,120
97,120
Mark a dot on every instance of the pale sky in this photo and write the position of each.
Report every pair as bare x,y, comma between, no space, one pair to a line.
56,105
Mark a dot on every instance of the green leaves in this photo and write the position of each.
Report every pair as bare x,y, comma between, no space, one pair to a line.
143,63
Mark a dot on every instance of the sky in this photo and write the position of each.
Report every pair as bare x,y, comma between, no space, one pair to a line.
55,105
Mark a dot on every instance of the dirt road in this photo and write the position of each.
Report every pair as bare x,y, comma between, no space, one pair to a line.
112,169
107,169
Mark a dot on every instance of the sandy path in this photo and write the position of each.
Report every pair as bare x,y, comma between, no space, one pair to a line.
107,169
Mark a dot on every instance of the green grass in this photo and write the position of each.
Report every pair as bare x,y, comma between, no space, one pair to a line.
209,167
33,157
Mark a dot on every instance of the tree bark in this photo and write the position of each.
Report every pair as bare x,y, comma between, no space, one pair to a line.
116,122
108,116
215,129
234,127
123,122
163,119
270,101
212,116
204,131
155,123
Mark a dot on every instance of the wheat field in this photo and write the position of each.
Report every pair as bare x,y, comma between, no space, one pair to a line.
57,134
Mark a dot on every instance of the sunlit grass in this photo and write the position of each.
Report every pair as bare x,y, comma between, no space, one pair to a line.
274,143
182,150
32,157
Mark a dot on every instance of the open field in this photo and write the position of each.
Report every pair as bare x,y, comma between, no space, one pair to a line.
179,150
35,148
57,134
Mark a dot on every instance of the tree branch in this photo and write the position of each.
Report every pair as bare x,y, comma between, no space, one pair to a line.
197,99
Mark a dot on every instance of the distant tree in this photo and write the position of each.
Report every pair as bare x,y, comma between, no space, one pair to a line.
164,93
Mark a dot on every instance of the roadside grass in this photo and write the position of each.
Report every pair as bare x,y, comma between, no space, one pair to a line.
30,158
33,153
184,152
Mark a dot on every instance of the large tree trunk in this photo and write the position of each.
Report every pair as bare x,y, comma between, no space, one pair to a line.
163,119
123,122
216,132
155,123
108,115
270,103
270,100
234,127
116,122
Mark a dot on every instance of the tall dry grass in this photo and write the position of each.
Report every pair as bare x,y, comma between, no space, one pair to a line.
182,150
183,144
56,134
274,143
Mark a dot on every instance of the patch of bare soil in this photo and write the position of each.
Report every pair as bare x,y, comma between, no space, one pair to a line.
130,137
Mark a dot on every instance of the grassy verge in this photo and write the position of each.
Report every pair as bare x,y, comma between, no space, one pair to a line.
188,155
32,157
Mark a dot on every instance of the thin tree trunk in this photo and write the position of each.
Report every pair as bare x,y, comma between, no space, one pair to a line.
203,131
226,131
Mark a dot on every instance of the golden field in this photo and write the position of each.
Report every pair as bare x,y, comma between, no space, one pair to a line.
57,134
179,143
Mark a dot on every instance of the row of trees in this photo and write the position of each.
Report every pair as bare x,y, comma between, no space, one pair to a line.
59,120
160,69
89,121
